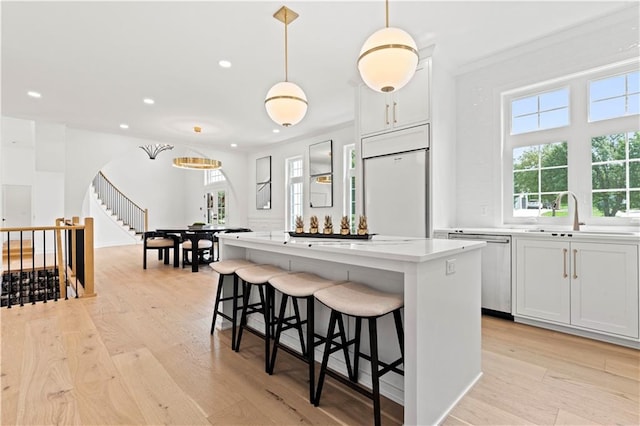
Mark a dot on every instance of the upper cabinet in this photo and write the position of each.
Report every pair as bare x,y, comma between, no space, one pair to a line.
409,106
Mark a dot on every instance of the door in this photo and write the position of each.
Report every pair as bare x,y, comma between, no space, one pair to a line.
395,194
217,207
410,105
16,206
604,288
375,113
542,280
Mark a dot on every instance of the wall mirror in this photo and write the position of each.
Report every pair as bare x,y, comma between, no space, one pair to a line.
321,174
263,183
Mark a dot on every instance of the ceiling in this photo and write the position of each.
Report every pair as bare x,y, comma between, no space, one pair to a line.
94,62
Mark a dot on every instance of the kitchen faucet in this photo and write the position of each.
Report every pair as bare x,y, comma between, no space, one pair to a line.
556,204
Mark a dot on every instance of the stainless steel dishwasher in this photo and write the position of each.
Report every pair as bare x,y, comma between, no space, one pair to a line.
496,271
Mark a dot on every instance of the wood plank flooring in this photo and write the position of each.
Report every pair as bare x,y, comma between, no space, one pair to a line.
140,353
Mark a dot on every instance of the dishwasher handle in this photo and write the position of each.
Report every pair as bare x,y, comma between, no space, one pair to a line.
493,239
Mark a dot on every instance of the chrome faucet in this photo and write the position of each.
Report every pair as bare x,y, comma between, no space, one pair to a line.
556,204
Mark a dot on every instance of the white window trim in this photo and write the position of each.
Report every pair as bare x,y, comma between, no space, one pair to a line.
348,174
289,182
578,137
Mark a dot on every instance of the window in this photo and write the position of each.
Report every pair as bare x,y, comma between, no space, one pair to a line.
293,205
541,111
350,185
213,176
539,175
615,96
615,175
577,133
222,207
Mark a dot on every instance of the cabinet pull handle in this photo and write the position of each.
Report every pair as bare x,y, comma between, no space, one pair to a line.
575,263
386,114
564,263
394,113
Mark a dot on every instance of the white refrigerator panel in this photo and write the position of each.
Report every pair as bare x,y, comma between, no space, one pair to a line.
395,194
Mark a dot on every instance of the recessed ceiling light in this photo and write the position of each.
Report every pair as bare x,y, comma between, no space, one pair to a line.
124,126
276,130
224,63
148,101
234,145
34,94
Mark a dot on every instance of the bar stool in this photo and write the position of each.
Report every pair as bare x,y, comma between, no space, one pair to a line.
258,276
361,302
226,268
301,285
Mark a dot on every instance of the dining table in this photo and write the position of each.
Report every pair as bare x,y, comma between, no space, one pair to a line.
195,233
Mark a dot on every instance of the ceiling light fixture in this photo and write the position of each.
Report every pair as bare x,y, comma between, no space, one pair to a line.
234,145
34,94
286,102
196,163
124,126
154,150
388,59
197,129
224,63
148,101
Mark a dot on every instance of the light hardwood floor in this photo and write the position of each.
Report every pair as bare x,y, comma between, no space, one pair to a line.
140,353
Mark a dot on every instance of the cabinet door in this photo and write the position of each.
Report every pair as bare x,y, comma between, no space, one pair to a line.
542,280
410,105
604,288
375,111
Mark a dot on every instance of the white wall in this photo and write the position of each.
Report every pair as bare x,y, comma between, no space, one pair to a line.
479,145
274,218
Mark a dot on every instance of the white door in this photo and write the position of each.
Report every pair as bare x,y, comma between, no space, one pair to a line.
395,194
16,206
604,288
410,105
375,111
542,280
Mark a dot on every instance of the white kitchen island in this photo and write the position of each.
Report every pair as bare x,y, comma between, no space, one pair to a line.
440,280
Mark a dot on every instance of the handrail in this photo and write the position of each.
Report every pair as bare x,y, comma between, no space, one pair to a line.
39,261
131,214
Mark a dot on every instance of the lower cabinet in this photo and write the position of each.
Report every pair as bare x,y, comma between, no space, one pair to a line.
582,284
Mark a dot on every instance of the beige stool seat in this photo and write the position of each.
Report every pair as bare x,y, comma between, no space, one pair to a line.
230,266
300,285
224,268
259,274
359,300
202,244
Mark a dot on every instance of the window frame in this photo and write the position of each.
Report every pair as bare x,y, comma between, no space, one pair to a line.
578,136
289,214
350,180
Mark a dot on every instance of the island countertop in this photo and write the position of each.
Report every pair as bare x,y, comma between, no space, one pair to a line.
440,282
403,249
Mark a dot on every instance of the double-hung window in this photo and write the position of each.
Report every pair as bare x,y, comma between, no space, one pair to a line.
581,134
350,185
294,190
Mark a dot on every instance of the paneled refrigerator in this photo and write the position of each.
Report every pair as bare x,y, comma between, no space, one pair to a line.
396,182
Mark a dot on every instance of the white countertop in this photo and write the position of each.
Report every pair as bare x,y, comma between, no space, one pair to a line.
380,246
592,233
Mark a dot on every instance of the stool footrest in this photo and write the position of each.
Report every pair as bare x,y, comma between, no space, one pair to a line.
386,367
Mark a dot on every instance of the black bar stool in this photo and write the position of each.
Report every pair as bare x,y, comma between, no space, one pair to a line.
301,285
227,268
258,276
361,302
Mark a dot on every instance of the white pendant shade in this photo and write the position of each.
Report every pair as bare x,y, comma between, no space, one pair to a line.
286,103
388,59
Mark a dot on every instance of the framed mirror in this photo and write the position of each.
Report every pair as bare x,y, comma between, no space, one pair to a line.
263,183
321,174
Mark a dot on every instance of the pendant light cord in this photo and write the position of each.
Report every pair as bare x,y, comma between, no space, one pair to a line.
286,54
387,12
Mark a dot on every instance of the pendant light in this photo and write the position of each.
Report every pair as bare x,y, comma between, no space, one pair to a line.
388,59
286,102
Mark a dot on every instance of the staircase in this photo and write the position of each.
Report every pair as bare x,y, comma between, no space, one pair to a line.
11,249
130,216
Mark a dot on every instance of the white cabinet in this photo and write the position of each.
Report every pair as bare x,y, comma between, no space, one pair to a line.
583,284
406,107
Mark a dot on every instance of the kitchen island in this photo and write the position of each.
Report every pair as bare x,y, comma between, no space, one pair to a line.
440,280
